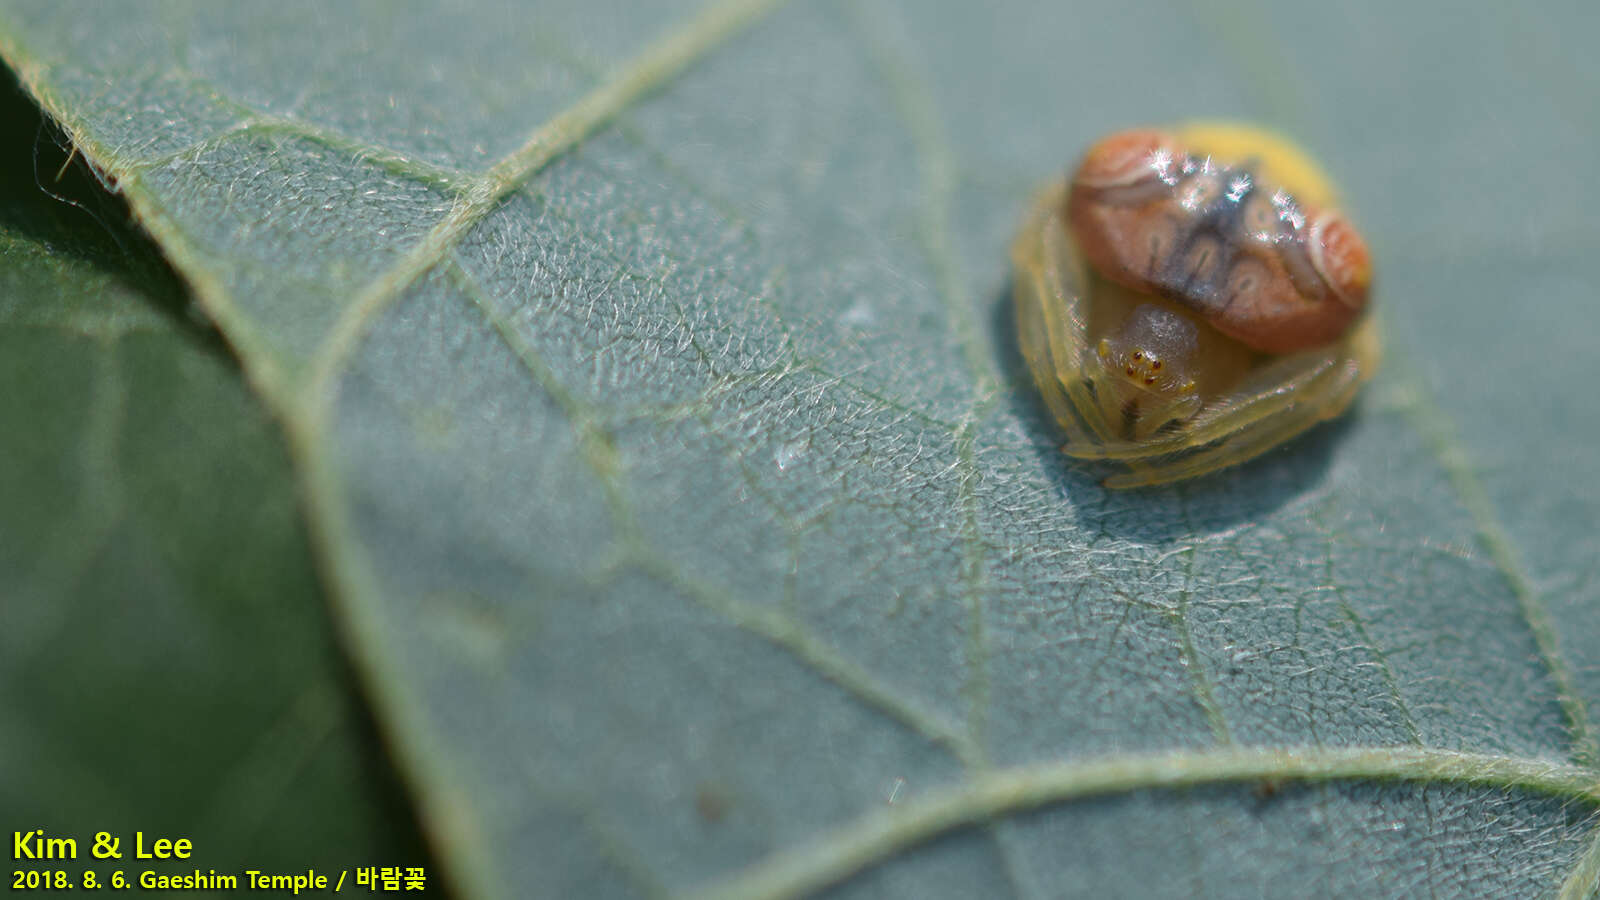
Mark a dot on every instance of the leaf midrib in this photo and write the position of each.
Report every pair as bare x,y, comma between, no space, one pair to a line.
882,833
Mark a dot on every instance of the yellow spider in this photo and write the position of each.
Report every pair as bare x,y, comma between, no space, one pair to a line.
1190,299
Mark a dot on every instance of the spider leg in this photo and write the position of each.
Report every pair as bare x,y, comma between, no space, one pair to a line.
1270,391
1265,393
1052,322
1323,399
1033,337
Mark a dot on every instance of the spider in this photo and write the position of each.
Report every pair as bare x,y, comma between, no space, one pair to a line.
1190,299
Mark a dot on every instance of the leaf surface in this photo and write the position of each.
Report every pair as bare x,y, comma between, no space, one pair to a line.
649,377
167,663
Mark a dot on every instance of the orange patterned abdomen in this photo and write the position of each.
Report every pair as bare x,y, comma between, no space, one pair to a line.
1260,266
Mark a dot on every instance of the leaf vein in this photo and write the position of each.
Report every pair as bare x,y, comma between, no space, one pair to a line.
779,629
1204,692
1437,431
1583,883
915,106
794,638
1391,683
647,73
878,835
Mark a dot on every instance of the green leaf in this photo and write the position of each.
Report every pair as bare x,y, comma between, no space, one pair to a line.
167,665
648,378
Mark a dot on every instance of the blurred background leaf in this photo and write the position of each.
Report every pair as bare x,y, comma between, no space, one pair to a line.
647,375
168,663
